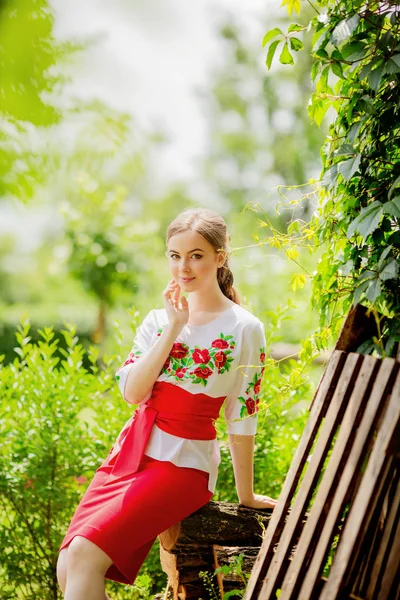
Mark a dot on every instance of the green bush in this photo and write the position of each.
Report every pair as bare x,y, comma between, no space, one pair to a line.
57,424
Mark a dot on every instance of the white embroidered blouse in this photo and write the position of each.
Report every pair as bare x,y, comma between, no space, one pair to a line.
221,358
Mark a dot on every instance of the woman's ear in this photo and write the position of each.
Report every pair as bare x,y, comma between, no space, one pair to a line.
222,260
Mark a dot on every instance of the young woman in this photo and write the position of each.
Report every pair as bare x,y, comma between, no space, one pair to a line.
187,359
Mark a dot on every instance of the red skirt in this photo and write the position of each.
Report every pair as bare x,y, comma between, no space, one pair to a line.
124,517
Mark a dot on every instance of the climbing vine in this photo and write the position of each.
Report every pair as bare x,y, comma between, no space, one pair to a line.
356,72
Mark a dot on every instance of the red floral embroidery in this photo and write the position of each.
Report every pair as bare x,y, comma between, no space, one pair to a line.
182,361
251,401
220,359
201,356
179,350
257,387
202,372
181,373
219,343
132,356
251,406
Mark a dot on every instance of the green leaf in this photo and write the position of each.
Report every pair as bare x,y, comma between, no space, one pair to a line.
317,110
271,52
375,77
353,51
392,207
271,34
394,186
322,54
365,348
383,256
353,132
329,178
347,168
391,66
285,57
337,70
367,275
367,221
374,290
396,59
314,70
389,271
295,27
344,149
360,289
319,39
296,44
347,268
344,29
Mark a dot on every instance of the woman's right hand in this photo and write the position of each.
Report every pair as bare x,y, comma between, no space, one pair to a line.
177,306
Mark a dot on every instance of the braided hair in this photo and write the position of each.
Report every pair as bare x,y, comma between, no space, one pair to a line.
213,228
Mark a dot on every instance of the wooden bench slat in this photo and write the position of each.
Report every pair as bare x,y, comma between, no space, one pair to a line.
333,418
323,397
387,538
343,469
357,519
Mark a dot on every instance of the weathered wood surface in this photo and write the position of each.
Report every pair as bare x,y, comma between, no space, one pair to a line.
348,463
187,548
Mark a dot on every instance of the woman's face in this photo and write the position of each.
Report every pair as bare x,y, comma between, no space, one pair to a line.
193,260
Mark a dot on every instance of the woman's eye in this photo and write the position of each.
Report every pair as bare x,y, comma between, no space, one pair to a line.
173,255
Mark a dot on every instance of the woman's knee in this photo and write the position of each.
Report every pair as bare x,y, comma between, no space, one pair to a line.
62,569
85,554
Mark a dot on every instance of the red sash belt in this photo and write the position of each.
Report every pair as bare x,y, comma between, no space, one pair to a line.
189,416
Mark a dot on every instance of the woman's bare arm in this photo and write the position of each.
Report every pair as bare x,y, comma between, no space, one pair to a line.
143,374
242,452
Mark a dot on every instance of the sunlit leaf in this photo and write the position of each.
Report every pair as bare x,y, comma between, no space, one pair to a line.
296,44
285,57
344,29
270,35
367,221
347,168
271,52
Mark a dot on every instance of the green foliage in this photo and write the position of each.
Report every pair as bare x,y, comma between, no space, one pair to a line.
57,423
356,70
31,75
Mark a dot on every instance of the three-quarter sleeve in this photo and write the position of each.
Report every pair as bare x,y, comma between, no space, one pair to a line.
141,346
241,404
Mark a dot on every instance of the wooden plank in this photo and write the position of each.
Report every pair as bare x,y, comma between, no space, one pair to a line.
333,418
356,521
316,537
373,540
390,583
386,542
359,555
358,326
276,524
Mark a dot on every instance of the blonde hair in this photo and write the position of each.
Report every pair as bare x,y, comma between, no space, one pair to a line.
213,228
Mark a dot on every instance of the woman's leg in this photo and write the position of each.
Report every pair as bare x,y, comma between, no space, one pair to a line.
86,568
62,571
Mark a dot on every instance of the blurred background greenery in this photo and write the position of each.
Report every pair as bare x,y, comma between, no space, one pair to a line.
88,189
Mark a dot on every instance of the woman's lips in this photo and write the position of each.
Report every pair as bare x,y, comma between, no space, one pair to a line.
187,279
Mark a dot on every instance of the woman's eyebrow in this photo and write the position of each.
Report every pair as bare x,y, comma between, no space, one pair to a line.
188,252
